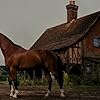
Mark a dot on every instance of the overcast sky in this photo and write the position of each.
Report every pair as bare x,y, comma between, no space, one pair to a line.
23,21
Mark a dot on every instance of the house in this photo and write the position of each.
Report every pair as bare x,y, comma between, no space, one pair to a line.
76,41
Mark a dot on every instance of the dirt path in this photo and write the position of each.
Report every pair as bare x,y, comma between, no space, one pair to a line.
38,92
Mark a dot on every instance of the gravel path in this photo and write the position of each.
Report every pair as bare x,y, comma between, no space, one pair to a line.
37,93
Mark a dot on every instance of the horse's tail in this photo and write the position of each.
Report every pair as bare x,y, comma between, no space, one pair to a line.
60,64
60,71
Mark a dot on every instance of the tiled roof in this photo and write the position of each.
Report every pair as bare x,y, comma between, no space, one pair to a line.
66,34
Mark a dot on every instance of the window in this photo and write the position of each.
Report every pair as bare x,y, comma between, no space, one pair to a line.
96,41
77,45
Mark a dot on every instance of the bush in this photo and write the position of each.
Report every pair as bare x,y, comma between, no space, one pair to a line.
27,81
3,73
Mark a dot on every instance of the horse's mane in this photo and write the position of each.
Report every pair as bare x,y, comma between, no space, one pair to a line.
18,46
3,37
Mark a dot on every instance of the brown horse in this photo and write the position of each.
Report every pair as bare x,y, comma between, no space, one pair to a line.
14,48
25,60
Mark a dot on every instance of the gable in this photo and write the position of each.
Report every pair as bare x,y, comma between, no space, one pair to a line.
66,34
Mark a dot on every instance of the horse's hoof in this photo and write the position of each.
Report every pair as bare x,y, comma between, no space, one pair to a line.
15,96
62,95
11,94
47,95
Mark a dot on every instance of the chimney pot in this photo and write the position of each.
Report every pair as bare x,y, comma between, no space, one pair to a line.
72,2
71,10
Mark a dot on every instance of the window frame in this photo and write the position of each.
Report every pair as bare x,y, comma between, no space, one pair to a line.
96,41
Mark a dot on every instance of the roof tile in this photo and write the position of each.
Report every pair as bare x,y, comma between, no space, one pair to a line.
66,34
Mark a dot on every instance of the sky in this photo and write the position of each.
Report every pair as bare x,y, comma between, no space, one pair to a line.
24,21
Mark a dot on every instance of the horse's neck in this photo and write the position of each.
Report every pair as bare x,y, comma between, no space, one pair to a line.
7,48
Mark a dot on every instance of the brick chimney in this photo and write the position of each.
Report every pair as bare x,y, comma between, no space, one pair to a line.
71,10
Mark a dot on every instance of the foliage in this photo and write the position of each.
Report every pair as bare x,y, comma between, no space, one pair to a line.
27,81
3,73
90,82
69,80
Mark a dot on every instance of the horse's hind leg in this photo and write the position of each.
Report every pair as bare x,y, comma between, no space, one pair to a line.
60,82
61,89
50,85
47,74
59,78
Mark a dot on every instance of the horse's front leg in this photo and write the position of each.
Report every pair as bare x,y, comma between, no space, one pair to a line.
16,89
11,88
13,83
